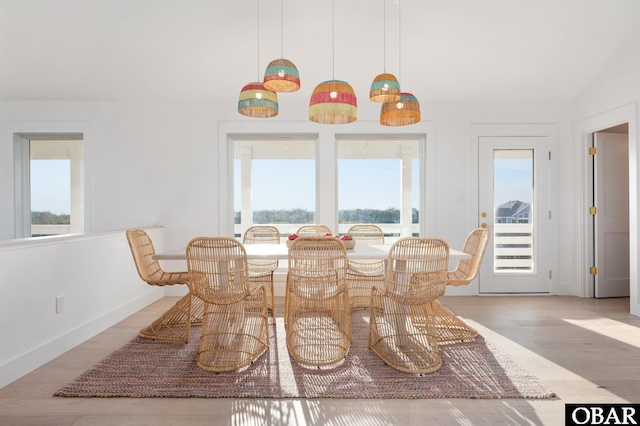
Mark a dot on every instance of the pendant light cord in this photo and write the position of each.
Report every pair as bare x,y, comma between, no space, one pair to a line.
258,7
281,28
333,41
384,34
400,43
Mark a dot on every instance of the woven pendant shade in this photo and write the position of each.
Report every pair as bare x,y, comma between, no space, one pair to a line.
257,101
385,88
282,75
333,102
404,112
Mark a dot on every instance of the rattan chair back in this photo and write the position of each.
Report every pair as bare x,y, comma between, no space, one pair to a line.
261,234
467,269
366,234
415,260
218,269
310,230
149,268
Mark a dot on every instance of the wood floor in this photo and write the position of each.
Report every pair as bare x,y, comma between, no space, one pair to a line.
585,350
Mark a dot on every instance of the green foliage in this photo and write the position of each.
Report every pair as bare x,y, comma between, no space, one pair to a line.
48,218
390,215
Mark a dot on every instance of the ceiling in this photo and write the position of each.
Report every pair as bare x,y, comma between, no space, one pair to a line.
206,50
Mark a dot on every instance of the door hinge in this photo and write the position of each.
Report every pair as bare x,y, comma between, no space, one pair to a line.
550,275
592,150
593,210
549,155
593,270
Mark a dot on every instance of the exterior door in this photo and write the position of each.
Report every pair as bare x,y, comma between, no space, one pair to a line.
513,202
611,219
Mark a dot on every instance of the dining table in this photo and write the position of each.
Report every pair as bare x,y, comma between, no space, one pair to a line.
281,252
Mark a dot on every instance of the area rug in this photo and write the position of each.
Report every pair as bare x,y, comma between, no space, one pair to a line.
151,369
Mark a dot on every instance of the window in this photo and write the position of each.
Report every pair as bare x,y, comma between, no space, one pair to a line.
327,184
49,185
378,183
274,184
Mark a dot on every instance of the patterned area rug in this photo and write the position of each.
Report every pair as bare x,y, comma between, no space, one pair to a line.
151,369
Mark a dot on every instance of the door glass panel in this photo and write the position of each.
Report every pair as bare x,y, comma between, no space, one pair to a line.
513,201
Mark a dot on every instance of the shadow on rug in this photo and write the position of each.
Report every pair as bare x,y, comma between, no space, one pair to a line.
151,369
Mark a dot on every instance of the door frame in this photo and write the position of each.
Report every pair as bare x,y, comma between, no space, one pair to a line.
601,141
583,131
549,131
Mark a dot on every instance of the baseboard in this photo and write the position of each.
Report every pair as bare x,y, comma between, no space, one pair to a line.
25,363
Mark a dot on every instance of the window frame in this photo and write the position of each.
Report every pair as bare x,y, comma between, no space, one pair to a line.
22,133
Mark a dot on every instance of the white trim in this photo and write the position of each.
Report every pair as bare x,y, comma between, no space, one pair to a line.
583,130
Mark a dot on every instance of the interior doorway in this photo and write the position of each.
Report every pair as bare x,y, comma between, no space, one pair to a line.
610,212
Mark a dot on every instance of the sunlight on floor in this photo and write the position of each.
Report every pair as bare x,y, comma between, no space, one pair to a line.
548,371
624,333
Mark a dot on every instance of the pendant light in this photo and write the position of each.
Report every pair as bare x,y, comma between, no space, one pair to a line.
255,99
405,111
281,74
333,101
385,86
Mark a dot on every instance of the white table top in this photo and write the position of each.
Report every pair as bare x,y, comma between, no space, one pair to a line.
281,252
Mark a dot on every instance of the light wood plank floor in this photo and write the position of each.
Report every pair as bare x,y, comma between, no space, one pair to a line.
586,350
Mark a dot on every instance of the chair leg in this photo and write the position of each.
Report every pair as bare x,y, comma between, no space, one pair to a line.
175,323
448,326
267,282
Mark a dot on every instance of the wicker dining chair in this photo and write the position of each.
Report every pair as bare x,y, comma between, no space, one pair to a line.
261,271
363,274
235,326
415,277
449,327
318,320
310,230
175,323
467,269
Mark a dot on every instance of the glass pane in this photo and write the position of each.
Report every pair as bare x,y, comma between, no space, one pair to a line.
369,191
274,184
379,183
513,197
50,197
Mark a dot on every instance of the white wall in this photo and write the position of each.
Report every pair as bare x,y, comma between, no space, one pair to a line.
94,273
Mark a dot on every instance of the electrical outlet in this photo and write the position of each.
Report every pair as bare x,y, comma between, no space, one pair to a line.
59,304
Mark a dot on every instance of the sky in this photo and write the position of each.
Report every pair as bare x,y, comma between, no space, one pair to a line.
374,184
51,186
289,184
512,180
